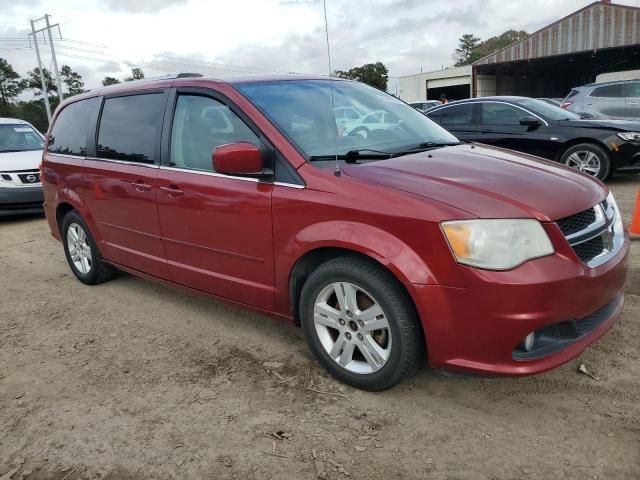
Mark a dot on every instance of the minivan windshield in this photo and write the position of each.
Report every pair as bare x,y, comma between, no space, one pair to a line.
19,137
547,110
311,113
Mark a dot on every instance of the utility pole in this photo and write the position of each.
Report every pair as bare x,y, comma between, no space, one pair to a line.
53,56
42,79
34,33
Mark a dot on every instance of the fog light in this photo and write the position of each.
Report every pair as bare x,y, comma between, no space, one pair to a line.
527,343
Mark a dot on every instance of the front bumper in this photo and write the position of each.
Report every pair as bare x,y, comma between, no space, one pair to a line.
478,328
626,155
20,200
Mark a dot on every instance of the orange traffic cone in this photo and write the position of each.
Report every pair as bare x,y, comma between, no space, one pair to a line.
634,228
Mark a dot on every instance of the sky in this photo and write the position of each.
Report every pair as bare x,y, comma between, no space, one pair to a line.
214,37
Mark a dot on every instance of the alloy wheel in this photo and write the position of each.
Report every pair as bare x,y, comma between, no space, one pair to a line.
585,161
352,327
79,248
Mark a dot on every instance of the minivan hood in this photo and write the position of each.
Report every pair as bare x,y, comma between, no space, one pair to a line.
17,161
487,182
604,123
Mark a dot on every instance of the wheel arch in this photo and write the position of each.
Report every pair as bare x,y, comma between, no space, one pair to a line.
577,141
312,259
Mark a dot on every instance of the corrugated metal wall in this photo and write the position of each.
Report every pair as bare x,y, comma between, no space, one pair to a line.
598,26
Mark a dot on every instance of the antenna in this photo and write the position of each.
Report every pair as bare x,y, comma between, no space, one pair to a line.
337,171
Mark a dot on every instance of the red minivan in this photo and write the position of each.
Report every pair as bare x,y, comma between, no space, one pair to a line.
382,235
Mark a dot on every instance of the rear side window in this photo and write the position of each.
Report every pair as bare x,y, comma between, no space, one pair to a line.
608,91
457,115
69,132
130,127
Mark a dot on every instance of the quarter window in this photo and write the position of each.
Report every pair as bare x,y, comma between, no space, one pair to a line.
457,114
200,124
501,114
608,91
130,127
69,132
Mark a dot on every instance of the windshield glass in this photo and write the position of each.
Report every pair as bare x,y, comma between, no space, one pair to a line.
363,118
19,137
547,110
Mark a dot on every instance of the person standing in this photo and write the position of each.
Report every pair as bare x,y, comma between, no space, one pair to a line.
443,98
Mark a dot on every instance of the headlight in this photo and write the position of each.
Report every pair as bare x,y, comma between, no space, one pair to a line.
630,136
497,244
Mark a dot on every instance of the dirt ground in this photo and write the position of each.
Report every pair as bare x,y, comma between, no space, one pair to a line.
132,379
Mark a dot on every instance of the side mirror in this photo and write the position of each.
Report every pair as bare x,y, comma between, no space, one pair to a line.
530,121
238,158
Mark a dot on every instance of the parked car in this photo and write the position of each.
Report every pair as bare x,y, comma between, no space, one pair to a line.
619,99
596,147
425,105
346,117
556,102
20,155
380,120
384,249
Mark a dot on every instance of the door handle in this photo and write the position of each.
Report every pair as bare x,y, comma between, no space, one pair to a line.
486,131
141,186
172,190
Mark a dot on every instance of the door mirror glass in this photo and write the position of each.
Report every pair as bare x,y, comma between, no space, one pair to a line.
238,158
530,121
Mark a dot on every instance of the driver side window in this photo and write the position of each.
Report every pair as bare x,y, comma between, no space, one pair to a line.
200,124
501,114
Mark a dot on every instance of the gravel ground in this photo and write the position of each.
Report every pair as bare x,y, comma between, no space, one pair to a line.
132,379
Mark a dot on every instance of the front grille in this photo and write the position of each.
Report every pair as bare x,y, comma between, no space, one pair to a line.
592,234
29,178
590,249
577,222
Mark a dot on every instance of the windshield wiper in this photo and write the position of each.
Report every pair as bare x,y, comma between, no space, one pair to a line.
352,155
424,146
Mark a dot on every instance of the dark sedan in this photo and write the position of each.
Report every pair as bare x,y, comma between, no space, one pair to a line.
595,147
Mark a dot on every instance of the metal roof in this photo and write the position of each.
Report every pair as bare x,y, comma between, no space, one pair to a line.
597,26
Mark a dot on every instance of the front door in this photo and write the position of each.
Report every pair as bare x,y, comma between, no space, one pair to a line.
216,229
120,183
632,97
500,126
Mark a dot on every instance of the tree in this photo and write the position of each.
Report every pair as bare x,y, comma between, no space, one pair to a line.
106,81
10,83
374,74
136,74
73,80
472,49
493,44
465,53
33,81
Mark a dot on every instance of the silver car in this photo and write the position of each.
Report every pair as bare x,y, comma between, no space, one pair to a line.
619,99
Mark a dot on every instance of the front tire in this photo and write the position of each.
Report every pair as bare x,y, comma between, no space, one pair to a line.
588,158
360,324
82,252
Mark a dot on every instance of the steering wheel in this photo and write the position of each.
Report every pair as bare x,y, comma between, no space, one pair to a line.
359,131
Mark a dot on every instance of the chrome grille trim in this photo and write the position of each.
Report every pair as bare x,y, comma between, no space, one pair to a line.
586,241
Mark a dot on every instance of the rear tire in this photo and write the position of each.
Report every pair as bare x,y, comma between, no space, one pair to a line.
82,253
588,158
370,338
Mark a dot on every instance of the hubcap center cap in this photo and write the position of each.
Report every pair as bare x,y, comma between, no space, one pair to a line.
353,326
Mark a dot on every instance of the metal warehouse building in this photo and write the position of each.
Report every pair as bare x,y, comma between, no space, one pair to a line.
602,37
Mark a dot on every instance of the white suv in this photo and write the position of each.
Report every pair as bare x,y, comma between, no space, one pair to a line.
20,155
